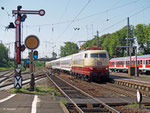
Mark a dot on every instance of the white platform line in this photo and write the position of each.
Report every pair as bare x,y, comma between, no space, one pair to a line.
34,103
5,99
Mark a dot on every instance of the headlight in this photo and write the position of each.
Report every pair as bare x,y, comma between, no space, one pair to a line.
91,68
107,68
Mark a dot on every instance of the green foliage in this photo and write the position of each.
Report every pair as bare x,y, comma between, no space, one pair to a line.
63,101
68,49
110,41
56,93
133,105
3,56
37,90
39,63
142,33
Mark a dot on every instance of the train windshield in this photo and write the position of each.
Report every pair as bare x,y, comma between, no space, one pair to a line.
98,55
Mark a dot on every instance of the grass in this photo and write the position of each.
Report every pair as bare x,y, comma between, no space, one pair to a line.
55,93
133,105
5,68
2,112
63,101
37,90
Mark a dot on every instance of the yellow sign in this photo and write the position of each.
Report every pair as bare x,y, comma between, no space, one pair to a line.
32,42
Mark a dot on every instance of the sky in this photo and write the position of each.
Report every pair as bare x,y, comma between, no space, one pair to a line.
63,17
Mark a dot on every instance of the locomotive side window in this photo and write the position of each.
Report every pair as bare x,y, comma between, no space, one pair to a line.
86,55
149,62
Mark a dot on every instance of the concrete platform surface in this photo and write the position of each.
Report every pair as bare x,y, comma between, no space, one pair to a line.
26,103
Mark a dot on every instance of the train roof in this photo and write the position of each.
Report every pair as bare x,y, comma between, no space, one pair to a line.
141,56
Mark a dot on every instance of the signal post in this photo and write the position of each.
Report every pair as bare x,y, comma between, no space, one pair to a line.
32,42
21,16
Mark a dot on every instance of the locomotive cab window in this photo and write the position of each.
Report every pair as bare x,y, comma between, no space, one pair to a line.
98,55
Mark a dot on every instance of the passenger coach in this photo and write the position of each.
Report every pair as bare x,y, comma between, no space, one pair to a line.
122,63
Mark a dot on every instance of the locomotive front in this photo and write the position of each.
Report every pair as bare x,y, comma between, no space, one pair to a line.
98,63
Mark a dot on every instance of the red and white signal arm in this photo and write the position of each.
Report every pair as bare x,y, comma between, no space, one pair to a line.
139,96
41,12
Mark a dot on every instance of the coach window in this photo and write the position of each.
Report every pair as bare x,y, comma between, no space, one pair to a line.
86,55
140,61
146,62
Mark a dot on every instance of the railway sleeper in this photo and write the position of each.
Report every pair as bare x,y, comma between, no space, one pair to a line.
142,87
90,107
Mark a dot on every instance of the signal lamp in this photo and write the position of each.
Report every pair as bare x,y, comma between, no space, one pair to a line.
23,48
35,54
27,61
22,19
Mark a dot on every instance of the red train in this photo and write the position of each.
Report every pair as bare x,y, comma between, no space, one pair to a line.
122,63
92,64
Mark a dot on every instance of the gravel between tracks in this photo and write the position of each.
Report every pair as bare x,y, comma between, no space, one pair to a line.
101,92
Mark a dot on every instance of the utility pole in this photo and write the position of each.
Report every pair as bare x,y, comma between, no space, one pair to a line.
127,36
53,54
130,48
97,38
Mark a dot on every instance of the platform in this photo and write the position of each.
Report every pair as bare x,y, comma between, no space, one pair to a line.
26,103
142,82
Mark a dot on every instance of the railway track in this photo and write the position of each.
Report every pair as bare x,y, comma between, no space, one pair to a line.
72,92
10,83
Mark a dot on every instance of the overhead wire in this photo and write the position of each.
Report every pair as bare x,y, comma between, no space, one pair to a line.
82,18
74,19
126,18
66,8
108,10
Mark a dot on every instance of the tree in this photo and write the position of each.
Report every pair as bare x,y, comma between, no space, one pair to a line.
110,41
142,32
3,56
68,49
